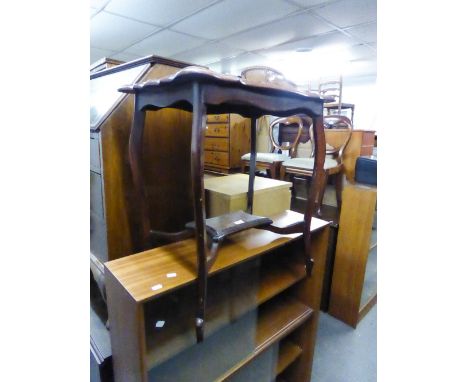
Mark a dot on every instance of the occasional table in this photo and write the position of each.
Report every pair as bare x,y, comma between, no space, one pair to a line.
203,92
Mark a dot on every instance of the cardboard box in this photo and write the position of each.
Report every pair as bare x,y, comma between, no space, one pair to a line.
226,194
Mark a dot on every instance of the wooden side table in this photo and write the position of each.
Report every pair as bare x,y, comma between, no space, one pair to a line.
203,92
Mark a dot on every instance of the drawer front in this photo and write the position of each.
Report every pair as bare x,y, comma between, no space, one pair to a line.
217,130
217,158
217,144
366,150
367,144
368,138
219,118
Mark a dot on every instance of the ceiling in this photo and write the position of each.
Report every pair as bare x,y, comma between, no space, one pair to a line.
305,39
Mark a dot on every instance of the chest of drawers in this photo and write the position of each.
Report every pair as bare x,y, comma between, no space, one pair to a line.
227,138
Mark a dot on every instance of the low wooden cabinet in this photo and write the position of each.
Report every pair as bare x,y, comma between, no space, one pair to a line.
227,138
262,309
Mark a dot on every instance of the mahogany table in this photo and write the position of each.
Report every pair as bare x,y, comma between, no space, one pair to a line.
201,91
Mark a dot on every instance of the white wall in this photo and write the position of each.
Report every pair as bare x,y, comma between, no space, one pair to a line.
362,91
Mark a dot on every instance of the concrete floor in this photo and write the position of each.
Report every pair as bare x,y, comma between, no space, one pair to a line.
344,354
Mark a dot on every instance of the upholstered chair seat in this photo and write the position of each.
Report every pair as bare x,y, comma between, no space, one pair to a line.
267,157
308,163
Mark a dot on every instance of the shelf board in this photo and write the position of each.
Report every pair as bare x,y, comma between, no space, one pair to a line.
140,273
272,280
288,353
276,320
275,279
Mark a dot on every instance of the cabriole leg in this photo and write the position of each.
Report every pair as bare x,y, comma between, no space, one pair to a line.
252,164
198,123
135,150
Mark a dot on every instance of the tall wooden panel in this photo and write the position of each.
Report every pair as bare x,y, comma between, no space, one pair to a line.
166,160
354,245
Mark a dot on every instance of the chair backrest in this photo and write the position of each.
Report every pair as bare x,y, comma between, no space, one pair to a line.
290,133
266,76
333,89
335,143
337,122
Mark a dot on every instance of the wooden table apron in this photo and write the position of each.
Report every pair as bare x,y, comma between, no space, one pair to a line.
208,97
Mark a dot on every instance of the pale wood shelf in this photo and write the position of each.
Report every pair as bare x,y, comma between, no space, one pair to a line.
224,305
288,353
141,272
276,320
354,287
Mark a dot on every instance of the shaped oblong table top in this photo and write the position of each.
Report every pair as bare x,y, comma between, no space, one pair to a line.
237,95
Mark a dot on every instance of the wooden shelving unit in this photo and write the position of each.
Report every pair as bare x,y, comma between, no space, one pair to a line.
288,353
353,292
275,321
261,317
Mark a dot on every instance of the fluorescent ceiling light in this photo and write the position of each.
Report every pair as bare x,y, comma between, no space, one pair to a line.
305,65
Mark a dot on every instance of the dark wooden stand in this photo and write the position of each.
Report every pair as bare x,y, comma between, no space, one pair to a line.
203,92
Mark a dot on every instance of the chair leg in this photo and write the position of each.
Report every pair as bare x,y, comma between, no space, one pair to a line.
308,183
322,188
339,189
273,171
242,168
282,173
293,188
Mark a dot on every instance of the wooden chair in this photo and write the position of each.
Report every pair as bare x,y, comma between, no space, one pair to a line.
334,89
266,76
303,167
286,133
